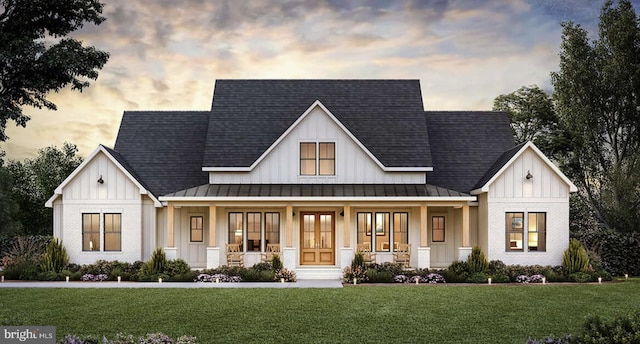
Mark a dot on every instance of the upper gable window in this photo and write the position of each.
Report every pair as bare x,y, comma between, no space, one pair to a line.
318,158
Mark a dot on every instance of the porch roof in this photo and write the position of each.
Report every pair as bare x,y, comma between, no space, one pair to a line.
316,191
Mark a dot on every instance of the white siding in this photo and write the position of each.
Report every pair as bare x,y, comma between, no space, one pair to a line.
282,164
512,192
544,184
117,186
84,194
148,228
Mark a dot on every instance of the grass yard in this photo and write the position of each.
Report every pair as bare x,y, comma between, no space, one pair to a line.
356,314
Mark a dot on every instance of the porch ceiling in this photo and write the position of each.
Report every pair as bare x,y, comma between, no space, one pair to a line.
315,191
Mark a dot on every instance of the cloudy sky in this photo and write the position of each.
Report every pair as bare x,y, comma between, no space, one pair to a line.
167,54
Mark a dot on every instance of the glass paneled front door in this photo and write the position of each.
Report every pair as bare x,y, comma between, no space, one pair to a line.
317,236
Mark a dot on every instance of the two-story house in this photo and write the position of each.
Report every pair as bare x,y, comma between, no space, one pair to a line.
317,166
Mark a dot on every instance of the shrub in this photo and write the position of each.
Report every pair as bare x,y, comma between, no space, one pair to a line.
477,261
575,257
620,252
276,262
500,279
288,275
497,267
157,262
55,257
477,277
622,329
176,267
358,260
23,259
357,272
457,272
375,276
580,277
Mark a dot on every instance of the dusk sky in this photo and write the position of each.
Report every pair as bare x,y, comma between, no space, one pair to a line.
167,54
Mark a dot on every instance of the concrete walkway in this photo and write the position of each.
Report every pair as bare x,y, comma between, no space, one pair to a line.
298,284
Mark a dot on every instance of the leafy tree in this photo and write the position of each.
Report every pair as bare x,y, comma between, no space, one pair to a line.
597,98
8,207
34,182
36,57
532,116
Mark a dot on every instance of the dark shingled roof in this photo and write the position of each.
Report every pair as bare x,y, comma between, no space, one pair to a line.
316,190
465,145
387,116
164,148
502,160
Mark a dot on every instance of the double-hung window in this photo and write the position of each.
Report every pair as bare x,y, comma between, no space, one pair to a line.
526,230
317,158
90,232
110,229
376,229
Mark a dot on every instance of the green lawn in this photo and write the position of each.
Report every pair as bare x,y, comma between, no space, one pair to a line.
364,313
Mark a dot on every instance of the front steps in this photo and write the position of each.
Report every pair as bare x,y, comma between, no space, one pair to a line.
318,273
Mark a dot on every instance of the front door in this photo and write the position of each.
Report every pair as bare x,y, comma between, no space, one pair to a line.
317,232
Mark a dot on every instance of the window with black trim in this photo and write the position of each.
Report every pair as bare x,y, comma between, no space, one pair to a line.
317,159
383,236
400,229
537,232
253,231
437,229
515,231
236,229
112,232
272,228
196,229
90,232
308,158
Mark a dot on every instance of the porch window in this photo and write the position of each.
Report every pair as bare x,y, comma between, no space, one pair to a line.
236,229
196,229
253,231
400,229
272,228
91,232
364,228
382,232
515,231
437,229
308,158
537,230
112,232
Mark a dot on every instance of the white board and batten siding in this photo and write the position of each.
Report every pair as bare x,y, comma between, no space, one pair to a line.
282,164
546,192
118,194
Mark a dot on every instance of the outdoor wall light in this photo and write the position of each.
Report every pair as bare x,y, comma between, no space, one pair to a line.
100,180
529,175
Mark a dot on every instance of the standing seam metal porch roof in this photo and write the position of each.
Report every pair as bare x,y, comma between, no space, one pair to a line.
315,190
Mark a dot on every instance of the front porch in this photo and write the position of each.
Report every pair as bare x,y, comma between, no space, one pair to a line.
346,226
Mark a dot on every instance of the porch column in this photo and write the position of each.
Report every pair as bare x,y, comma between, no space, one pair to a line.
347,223
170,229
423,226
213,252
171,251
424,251
289,252
212,226
465,226
465,250
289,226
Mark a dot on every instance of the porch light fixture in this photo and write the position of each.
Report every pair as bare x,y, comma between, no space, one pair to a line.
529,175
100,180
342,213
